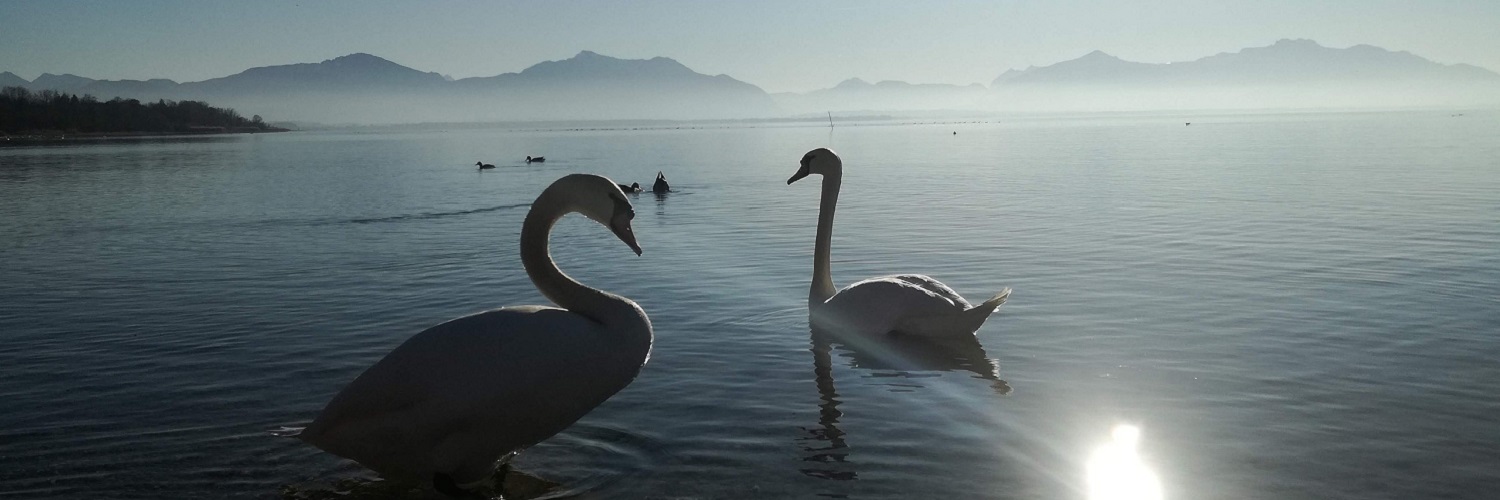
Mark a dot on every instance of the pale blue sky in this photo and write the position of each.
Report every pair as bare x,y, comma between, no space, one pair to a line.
779,45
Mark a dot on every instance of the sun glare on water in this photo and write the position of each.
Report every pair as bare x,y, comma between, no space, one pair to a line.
1116,472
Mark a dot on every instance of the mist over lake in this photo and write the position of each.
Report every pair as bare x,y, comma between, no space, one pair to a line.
1284,305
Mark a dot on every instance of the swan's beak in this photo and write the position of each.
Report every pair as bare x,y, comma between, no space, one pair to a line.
801,172
620,225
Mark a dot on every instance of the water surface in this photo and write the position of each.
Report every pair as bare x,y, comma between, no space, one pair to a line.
1286,306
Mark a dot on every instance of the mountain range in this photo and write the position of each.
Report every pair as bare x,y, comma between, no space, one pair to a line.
1284,62
362,88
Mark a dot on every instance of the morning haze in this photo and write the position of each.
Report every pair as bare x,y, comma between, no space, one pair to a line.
392,62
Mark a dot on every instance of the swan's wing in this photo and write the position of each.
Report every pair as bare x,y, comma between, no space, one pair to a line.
876,305
934,286
529,371
887,289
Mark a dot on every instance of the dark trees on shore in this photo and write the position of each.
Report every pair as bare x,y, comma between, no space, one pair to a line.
23,112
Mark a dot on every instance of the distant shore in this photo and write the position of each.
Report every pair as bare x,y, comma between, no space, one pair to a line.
56,136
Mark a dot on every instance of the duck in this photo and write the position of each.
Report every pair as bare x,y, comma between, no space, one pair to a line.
483,165
660,186
455,402
634,187
535,159
904,304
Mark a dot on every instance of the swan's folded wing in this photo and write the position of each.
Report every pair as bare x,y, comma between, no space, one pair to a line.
934,286
875,305
449,366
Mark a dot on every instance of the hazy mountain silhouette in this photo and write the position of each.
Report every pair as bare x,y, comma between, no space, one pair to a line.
61,83
362,88
594,86
351,73
1285,62
857,95
8,79
1092,67
1286,74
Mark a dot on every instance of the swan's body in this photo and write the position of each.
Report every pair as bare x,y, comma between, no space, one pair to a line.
454,400
483,165
660,186
910,304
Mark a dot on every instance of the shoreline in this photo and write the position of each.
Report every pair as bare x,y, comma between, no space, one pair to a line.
55,136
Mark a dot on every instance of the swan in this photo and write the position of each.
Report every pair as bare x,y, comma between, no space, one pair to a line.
660,186
909,304
483,165
457,400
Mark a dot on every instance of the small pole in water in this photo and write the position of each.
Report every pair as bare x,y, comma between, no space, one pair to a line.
830,129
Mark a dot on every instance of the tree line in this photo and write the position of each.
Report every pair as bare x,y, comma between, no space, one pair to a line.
25,112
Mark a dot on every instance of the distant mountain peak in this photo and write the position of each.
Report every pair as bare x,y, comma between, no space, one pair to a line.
64,82
1296,42
852,83
1099,55
8,79
1288,61
361,58
590,64
589,55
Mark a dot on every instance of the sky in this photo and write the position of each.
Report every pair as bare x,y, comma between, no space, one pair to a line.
778,45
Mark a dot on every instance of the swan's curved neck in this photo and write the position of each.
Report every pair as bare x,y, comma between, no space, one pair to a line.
598,305
822,282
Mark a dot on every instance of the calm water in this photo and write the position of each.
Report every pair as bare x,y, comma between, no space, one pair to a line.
1287,306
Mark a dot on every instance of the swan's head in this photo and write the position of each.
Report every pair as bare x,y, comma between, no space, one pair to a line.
601,200
821,161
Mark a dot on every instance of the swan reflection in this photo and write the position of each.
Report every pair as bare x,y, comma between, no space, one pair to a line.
908,357
517,485
1116,471
883,356
825,443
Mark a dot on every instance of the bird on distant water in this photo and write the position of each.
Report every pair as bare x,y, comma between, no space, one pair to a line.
660,186
457,401
634,187
484,166
535,159
907,304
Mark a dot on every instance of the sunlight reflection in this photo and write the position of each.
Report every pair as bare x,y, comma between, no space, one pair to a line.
1115,471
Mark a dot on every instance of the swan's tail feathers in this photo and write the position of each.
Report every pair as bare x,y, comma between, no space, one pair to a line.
949,324
285,431
989,306
975,316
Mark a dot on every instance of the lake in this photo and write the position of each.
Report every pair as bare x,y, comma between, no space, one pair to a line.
1289,306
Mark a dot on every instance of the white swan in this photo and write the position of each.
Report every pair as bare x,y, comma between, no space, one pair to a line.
458,398
910,304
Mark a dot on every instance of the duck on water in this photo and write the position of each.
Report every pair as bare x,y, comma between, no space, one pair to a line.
660,186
